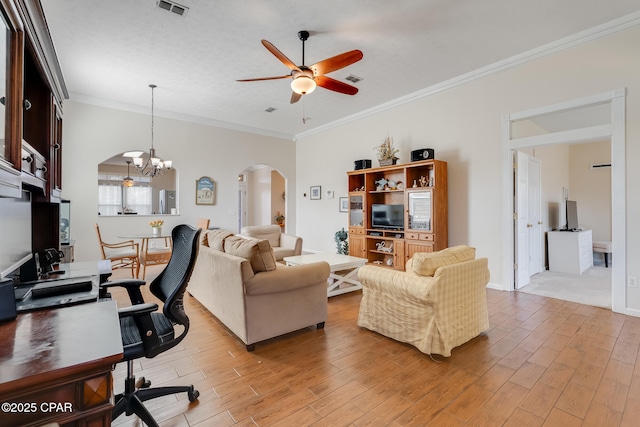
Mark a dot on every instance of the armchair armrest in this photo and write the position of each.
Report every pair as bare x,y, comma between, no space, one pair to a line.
131,285
288,278
398,283
290,241
124,244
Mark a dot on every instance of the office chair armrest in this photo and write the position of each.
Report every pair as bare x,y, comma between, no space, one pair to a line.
131,285
137,310
141,314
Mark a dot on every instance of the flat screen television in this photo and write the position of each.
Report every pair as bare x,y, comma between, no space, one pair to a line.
387,216
572,215
15,233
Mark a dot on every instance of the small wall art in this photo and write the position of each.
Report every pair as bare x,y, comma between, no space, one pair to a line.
315,192
205,191
344,204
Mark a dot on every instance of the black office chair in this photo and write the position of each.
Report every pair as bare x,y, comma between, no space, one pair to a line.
147,333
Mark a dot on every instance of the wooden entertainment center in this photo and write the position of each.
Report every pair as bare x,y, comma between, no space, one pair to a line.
420,190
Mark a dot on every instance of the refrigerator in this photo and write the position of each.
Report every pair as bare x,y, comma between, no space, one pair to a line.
167,201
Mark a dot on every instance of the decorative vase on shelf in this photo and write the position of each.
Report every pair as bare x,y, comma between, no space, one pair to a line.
388,162
156,231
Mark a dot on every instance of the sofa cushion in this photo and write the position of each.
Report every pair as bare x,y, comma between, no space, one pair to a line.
215,239
258,252
426,263
266,232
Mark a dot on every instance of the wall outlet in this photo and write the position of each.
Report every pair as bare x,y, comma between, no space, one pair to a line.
632,282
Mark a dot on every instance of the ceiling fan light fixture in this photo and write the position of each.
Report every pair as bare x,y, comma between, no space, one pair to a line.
303,85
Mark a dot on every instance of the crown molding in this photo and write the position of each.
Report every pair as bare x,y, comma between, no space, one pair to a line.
132,108
607,29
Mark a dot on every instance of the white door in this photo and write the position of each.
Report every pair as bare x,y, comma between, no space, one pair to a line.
535,218
521,222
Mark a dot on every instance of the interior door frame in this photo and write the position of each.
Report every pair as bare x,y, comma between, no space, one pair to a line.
615,132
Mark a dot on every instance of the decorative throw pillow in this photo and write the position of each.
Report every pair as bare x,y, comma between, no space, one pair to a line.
215,239
426,263
258,252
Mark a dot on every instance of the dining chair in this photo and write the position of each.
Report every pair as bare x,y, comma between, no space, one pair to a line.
123,254
154,255
202,223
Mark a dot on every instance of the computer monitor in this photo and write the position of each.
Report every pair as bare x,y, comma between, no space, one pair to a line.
572,215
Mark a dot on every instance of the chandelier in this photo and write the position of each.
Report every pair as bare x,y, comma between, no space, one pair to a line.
153,165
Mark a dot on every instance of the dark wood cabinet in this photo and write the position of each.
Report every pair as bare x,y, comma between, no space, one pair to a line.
31,156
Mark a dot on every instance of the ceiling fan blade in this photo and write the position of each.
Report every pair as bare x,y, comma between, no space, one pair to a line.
295,97
336,62
281,56
265,78
335,85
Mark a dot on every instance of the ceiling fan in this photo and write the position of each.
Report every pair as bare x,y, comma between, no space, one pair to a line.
307,77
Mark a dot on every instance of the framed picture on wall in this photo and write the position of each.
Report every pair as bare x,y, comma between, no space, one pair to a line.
205,191
344,204
315,192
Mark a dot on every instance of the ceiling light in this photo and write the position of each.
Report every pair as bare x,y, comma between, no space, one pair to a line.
133,154
154,165
303,85
128,181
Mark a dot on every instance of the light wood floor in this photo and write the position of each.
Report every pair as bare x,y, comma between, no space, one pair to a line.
543,362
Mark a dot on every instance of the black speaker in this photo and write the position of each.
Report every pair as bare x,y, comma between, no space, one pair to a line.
362,164
422,154
7,301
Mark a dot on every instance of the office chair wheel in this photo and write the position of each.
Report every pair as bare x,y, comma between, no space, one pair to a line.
143,383
193,394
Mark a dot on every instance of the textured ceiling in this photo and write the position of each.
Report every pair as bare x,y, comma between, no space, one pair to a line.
110,51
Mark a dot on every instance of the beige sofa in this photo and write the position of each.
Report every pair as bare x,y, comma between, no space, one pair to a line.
437,304
283,244
239,282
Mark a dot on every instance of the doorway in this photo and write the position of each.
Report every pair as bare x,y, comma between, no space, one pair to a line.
261,196
595,118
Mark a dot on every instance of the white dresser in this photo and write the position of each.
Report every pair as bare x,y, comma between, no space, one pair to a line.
570,251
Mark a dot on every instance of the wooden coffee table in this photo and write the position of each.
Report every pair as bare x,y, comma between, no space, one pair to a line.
344,270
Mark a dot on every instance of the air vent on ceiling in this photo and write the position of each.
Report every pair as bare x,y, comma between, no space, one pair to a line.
170,6
270,110
353,79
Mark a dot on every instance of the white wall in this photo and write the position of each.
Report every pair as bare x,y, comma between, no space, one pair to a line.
92,134
463,125
591,188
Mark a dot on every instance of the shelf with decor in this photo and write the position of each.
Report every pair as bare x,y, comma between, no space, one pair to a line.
405,205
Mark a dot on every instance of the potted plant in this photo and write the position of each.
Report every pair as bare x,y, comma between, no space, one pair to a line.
157,226
342,243
279,218
387,152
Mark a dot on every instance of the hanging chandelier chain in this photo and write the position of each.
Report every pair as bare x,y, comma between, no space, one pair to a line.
152,114
153,166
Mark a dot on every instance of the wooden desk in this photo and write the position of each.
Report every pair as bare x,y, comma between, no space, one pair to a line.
55,366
